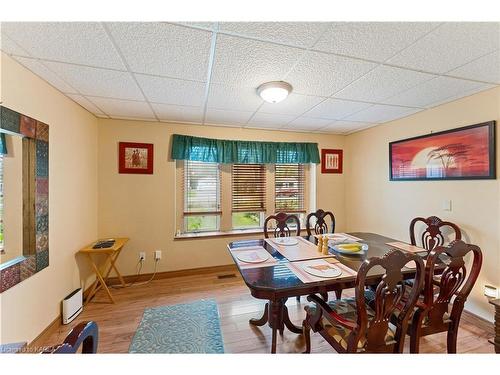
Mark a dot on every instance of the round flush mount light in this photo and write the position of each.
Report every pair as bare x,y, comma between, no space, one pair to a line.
274,92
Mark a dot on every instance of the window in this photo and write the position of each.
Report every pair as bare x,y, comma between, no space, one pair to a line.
217,197
289,181
248,195
202,196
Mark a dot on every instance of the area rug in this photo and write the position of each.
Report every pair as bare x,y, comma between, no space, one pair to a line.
185,328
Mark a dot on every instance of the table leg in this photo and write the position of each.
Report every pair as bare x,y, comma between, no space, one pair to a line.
288,323
112,260
263,320
276,320
101,280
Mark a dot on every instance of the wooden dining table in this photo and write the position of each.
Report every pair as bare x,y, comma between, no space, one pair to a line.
277,283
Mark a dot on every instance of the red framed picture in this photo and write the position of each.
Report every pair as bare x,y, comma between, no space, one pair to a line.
135,158
331,161
466,153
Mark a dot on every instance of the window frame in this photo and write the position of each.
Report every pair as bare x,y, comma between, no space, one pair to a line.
226,225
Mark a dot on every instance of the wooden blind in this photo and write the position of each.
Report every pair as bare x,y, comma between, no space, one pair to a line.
289,181
202,188
249,188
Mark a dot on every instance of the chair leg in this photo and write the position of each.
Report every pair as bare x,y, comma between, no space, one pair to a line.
415,333
451,338
306,330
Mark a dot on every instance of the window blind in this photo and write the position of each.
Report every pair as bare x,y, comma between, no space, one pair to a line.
202,188
289,181
249,188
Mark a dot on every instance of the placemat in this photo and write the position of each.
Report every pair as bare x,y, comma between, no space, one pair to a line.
406,247
302,251
339,236
258,249
296,268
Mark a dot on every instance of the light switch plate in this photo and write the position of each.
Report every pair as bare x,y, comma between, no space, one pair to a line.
447,205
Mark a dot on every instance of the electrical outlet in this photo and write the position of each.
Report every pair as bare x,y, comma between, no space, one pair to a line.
157,254
142,256
447,205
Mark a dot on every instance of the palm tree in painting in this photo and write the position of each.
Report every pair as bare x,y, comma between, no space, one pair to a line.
449,155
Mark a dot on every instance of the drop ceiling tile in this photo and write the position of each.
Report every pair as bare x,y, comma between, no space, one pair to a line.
382,83
345,127
219,116
435,90
98,82
172,91
123,108
450,46
308,123
294,104
233,98
379,113
267,120
334,109
167,112
322,74
10,47
43,72
85,103
83,43
371,40
301,34
486,68
203,25
163,49
250,63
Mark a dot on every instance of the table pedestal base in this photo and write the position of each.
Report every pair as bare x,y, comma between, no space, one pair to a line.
276,314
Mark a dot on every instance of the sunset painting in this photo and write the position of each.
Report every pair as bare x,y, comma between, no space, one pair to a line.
463,153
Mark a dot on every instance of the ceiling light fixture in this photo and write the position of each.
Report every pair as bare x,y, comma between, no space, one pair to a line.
274,92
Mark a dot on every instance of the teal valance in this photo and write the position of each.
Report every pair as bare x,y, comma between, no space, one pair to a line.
186,147
3,144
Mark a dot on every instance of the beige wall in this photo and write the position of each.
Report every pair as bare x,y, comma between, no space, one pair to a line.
27,308
13,198
378,205
142,207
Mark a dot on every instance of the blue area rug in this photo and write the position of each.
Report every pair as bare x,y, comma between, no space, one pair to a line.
186,328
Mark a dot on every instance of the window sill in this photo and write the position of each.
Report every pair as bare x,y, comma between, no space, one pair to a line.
230,233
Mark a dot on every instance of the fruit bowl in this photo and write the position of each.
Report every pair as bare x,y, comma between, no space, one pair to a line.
354,248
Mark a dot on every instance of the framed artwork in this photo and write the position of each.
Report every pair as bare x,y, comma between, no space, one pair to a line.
467,153
331,161
135,158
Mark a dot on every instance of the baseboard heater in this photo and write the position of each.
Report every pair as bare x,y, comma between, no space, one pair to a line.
72,306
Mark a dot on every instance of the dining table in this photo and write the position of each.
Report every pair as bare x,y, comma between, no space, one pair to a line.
277,282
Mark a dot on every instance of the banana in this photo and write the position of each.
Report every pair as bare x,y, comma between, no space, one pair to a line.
350,247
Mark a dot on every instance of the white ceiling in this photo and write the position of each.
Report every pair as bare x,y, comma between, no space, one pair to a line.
346,75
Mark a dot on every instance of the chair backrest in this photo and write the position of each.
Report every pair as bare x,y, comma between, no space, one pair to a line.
85,334
454,281
387,298
432,236
321,226
282,229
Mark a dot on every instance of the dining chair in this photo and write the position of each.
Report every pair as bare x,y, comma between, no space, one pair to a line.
363,323
282,229
321,225
432,313
85,334
432,236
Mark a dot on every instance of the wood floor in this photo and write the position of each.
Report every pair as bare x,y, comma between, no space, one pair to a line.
118,322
